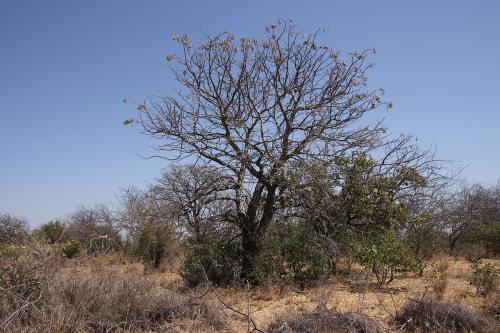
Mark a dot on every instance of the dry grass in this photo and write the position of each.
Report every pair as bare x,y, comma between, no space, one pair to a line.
439,277
112,293
96,296
434,316
325,321
111,299
339,294
492,305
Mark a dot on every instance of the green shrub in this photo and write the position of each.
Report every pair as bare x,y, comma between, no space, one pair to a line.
7,250
384,254
104,244
289,255
487,236
483,277
71,248
219,261
53,231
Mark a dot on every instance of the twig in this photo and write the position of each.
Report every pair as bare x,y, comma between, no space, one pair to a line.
28,303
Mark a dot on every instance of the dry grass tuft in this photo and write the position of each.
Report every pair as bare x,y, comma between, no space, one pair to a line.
434,316
325,321
492,305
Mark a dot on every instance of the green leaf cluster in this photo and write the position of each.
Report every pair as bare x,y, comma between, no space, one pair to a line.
385,255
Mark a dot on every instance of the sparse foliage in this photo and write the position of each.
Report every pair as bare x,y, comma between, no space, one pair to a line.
483,278
196,199
467,211
153,244
12,229
91,225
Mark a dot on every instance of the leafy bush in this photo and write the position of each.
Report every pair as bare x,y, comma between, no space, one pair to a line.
152,243
487,236
290,256
53,231
219,261
7,250
104,244
491,238
71,248
434,316
483,277
325,321
385,255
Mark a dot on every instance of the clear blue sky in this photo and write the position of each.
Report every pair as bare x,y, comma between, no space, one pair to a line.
66,65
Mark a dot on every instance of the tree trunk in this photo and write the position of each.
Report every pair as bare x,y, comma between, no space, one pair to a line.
251,250
452,242
252,233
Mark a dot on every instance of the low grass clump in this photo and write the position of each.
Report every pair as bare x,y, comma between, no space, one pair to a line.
325,321
431,316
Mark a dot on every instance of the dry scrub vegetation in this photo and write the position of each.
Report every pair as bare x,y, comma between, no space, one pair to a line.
44,292
96,294
298,215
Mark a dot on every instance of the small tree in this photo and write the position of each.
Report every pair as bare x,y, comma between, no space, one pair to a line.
424,239
470,208
195,197
486,236
148,224
53,231
12,229
153,244
356,199
93,226
385,255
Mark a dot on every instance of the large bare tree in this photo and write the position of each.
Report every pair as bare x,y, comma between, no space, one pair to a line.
252,107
